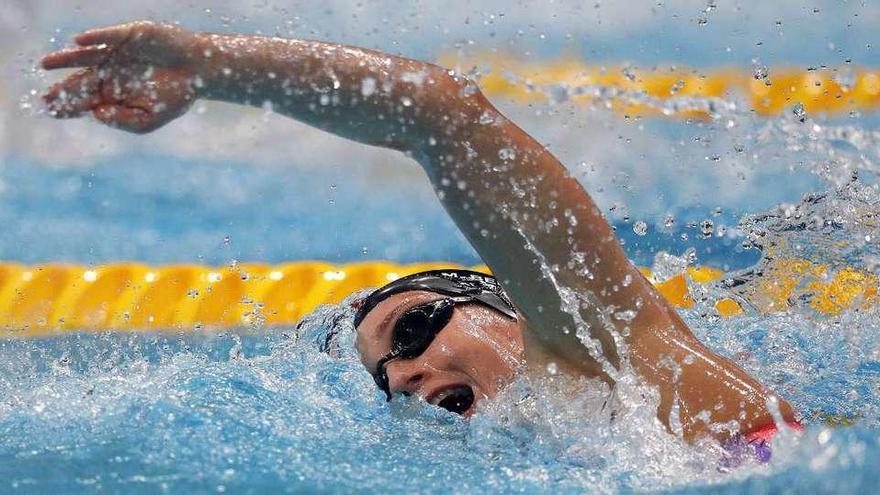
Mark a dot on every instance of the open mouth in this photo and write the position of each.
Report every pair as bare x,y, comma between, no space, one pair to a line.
457,399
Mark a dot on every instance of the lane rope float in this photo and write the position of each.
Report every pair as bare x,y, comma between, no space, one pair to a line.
133,296
629,90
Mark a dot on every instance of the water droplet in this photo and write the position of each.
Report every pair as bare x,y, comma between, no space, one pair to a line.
799,111
507,154
706,228
558,93
626,315
368,86
760,72
640,228
552,368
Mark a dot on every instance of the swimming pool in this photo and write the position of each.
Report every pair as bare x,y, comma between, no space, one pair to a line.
262,411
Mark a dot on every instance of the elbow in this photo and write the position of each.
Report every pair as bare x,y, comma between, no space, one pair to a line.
450,105
428,109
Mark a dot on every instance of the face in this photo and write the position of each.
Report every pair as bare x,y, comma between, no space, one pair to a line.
470,359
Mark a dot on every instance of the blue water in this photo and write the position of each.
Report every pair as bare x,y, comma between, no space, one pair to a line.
162,209
135,413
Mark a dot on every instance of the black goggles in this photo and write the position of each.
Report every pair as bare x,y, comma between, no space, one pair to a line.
415,330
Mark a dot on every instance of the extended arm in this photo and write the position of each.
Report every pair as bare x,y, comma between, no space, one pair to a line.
532,223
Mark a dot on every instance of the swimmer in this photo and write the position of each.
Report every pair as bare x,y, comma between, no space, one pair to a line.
453,338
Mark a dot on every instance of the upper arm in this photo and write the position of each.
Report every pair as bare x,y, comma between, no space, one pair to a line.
532,223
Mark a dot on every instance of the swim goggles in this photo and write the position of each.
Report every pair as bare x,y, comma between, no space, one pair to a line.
415,330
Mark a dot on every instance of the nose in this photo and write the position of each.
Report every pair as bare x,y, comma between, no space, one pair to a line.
405,377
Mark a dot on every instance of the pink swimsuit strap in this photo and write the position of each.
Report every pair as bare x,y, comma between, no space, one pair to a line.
766,433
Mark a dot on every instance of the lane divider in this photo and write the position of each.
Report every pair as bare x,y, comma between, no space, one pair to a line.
769,91
131,296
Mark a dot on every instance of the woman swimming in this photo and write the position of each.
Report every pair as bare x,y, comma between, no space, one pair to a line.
571,299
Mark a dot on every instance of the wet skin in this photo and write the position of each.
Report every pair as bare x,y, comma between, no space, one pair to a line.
479,348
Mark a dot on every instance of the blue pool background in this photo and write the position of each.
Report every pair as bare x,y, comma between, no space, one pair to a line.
165,210
263,413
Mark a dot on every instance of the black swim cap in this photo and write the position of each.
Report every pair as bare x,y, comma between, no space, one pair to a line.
481,287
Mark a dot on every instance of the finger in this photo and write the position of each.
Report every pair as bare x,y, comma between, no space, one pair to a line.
127,118
111,35
79,84
85,56
76,94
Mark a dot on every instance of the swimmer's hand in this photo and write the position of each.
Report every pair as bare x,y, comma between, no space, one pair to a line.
136,77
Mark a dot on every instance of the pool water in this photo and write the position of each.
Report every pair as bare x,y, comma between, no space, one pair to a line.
139,413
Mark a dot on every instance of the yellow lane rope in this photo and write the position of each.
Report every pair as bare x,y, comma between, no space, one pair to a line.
769,92
130,296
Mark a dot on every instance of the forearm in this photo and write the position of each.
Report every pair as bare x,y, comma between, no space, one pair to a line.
360,94
712,395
